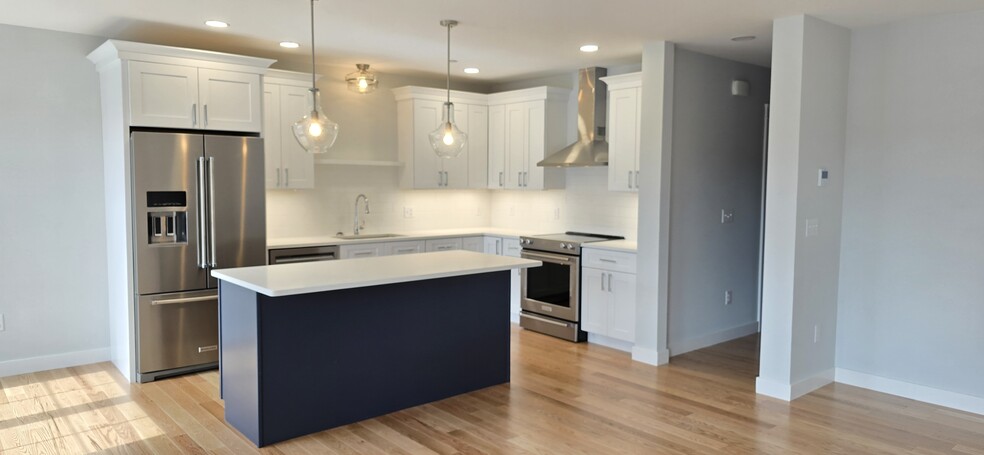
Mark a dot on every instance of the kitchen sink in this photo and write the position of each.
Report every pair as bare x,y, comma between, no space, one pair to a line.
366,236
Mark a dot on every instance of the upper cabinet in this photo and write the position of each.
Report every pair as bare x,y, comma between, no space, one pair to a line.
176,96
419,113
286,98
169,87
624,128
525,126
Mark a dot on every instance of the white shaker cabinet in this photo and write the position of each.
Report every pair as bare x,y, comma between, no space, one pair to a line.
476,244
443,244
419,111
524,127
405,247
624,130
608,286
164,95
362,250
286,99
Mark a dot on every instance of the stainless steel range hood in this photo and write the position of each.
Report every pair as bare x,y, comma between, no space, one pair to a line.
590,148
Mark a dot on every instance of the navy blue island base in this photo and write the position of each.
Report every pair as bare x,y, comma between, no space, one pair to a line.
300,364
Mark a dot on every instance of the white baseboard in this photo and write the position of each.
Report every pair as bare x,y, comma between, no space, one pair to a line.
968,403
650,356
51,362
701,342
608,342
790,392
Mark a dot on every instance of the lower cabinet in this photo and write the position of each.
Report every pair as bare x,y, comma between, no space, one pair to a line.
443,244
608,297
408,247
476,244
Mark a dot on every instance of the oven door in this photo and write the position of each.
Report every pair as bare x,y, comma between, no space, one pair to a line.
552,289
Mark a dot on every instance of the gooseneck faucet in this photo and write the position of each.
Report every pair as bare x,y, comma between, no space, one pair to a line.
358,224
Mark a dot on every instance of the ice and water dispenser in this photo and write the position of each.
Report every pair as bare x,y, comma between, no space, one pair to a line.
167,217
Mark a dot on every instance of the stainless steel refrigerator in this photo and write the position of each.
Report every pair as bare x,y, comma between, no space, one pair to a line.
199,204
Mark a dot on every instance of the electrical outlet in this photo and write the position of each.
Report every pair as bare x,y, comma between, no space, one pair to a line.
729,296
408,212
812,227
727,216
2,327
816,333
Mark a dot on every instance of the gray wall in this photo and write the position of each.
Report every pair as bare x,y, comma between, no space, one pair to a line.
53,273
911,305
717,164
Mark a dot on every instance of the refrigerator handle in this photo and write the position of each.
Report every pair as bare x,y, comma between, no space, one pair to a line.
202,262
211,212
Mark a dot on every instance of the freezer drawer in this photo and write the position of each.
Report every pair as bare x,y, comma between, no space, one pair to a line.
177,332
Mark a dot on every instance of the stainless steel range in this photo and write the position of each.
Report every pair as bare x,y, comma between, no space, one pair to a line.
551,294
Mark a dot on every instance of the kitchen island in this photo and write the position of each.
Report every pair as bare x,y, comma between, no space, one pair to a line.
311,346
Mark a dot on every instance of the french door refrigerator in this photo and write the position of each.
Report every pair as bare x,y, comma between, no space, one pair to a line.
199,204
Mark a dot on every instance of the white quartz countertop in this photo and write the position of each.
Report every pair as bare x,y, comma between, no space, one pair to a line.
614,245
309,277
321,240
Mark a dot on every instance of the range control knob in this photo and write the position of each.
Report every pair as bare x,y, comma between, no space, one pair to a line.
563,246
570,246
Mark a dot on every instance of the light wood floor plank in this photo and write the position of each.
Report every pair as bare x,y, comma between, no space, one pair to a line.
564,398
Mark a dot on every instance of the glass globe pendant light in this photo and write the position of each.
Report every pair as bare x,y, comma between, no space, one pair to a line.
315,132
362,81
447,140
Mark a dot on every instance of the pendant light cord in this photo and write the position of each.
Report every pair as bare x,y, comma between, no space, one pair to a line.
313,68
449,62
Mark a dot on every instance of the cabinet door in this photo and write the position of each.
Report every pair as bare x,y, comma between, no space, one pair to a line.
230,100
427,167
478,146
622,319
595,301
363,250
497,147
273,174
493,245
536,137
164,96
516,142
456,169
443,244
623,139
408,247
298,164
476,244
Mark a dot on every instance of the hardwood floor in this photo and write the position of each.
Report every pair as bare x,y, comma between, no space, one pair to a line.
564,398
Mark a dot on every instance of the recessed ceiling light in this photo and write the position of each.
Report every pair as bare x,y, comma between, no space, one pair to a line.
289,44
471,70
217,24
589,48
743,38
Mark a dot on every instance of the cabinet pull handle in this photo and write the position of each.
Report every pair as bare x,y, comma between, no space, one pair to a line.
602,281
194,114
205,106
610,261
445,178
287,177
278,177
440,178
519,179
609,282
630,180
500,178
637,180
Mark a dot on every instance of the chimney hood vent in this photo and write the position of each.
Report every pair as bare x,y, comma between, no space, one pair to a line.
591,149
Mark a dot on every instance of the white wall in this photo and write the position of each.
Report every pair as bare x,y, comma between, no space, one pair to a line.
53,273
912,256
717,164
810,63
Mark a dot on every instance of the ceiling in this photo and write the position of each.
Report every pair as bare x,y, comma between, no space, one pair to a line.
506,39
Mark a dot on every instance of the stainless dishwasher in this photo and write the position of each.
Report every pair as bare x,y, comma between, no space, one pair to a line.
304,254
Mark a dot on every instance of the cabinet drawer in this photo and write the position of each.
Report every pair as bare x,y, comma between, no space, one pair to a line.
444,244
511,247
617,261
408,247
365,250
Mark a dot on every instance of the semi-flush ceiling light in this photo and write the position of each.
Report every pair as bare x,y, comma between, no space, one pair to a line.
289,44
217,24
589,48
447,140
471,70
315,132
362,81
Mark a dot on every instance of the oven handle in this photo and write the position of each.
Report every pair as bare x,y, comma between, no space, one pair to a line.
557,259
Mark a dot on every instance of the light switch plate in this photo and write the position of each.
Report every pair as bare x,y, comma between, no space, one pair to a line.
812,227
822,176
727,216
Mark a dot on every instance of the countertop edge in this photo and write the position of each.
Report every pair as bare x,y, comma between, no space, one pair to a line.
332,241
